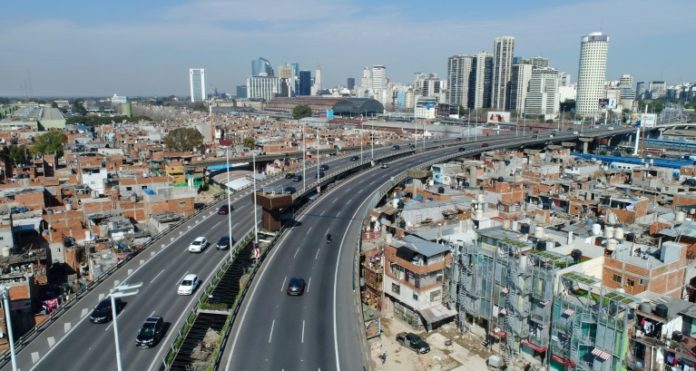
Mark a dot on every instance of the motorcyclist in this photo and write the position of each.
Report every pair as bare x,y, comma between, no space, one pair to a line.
328,237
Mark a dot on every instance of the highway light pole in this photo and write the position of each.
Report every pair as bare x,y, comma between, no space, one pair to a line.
372,135
361,140
256,221
318,155
117,293
304,161
229,202
8,324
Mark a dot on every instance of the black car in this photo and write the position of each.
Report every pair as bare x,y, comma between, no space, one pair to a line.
413,342
289,189
296,286
412,146
355,158
224,210
102,312
324,167
150,332
297,178
396,147
462,149
385,165
321,174
289,175
223,243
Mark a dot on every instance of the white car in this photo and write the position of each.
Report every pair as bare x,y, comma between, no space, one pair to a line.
188,285
198,245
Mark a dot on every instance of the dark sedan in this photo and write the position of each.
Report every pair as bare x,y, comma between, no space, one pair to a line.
150,333
102,312
224,210
296,286
289,189
223,243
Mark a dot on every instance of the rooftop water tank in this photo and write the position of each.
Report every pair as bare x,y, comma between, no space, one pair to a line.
619,234
596,229
608,231
612,244
679,218
539,232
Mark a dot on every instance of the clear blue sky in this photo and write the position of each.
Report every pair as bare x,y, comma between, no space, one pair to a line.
145,47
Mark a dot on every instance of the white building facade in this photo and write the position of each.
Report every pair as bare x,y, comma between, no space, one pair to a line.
592,73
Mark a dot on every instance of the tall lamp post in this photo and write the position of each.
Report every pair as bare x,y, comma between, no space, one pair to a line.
304,161
229,202
256,221
372,135
117,293
8,323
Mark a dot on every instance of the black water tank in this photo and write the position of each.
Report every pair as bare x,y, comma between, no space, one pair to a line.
441,190
524,228
541,245
677,335
661,310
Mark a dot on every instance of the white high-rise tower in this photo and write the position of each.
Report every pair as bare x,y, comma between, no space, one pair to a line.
592,73
197,84
503,50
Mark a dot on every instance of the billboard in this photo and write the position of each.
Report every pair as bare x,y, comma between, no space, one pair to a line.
607,103
648,120
497,117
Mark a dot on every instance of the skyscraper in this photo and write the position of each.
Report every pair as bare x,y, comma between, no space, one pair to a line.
350,83
459,69
481,81
591,73
539,62
628,95
542,98
263,87
503,50
379,83
261,67
519,85
241,91
197,84
305,83
316,86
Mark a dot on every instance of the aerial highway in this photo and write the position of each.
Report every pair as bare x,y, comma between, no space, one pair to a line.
319,330
160,268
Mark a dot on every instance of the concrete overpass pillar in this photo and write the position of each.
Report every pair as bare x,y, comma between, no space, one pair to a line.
586,144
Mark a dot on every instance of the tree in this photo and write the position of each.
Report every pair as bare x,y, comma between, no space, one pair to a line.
50,142
462,111
18,154
184,140
249,142
301,111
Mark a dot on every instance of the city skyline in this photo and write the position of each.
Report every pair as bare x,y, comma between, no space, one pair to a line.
79,50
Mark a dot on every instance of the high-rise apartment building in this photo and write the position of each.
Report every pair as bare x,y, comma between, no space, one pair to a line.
379,77
503,50
263,87
241,91
305,83
197,84
658,89
628,95
539,62
640,89
261,67
481,81
592,73
542,98
519,85
564,79
459,70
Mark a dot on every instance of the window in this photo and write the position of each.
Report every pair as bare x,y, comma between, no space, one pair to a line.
630,282
642,282
616,278
396,288
143,187
129,188
415,297
435,296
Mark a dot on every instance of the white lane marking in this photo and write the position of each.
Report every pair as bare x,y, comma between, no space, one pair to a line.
309,284
296,251
34,357
282,287
303,321
310,229
66,327
84,312
316,255
101,296
217,224
334,200
130,271
117,282
51,341
322,213
349,200
141,262
270,334
157,275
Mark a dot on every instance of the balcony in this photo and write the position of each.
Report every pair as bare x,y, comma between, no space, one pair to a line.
391,257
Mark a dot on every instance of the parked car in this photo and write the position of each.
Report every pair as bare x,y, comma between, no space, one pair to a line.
289,189
102,313
188,285
224,209
324,167
355,158
150,332
223,243
413,342
297,178
296,286
198,245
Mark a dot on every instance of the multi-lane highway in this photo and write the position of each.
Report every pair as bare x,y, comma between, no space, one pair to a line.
73,343
319,330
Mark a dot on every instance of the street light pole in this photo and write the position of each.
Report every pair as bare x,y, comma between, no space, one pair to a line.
117,293
229,202
319,156
372,135
304,161
8,323
361,141
256,221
